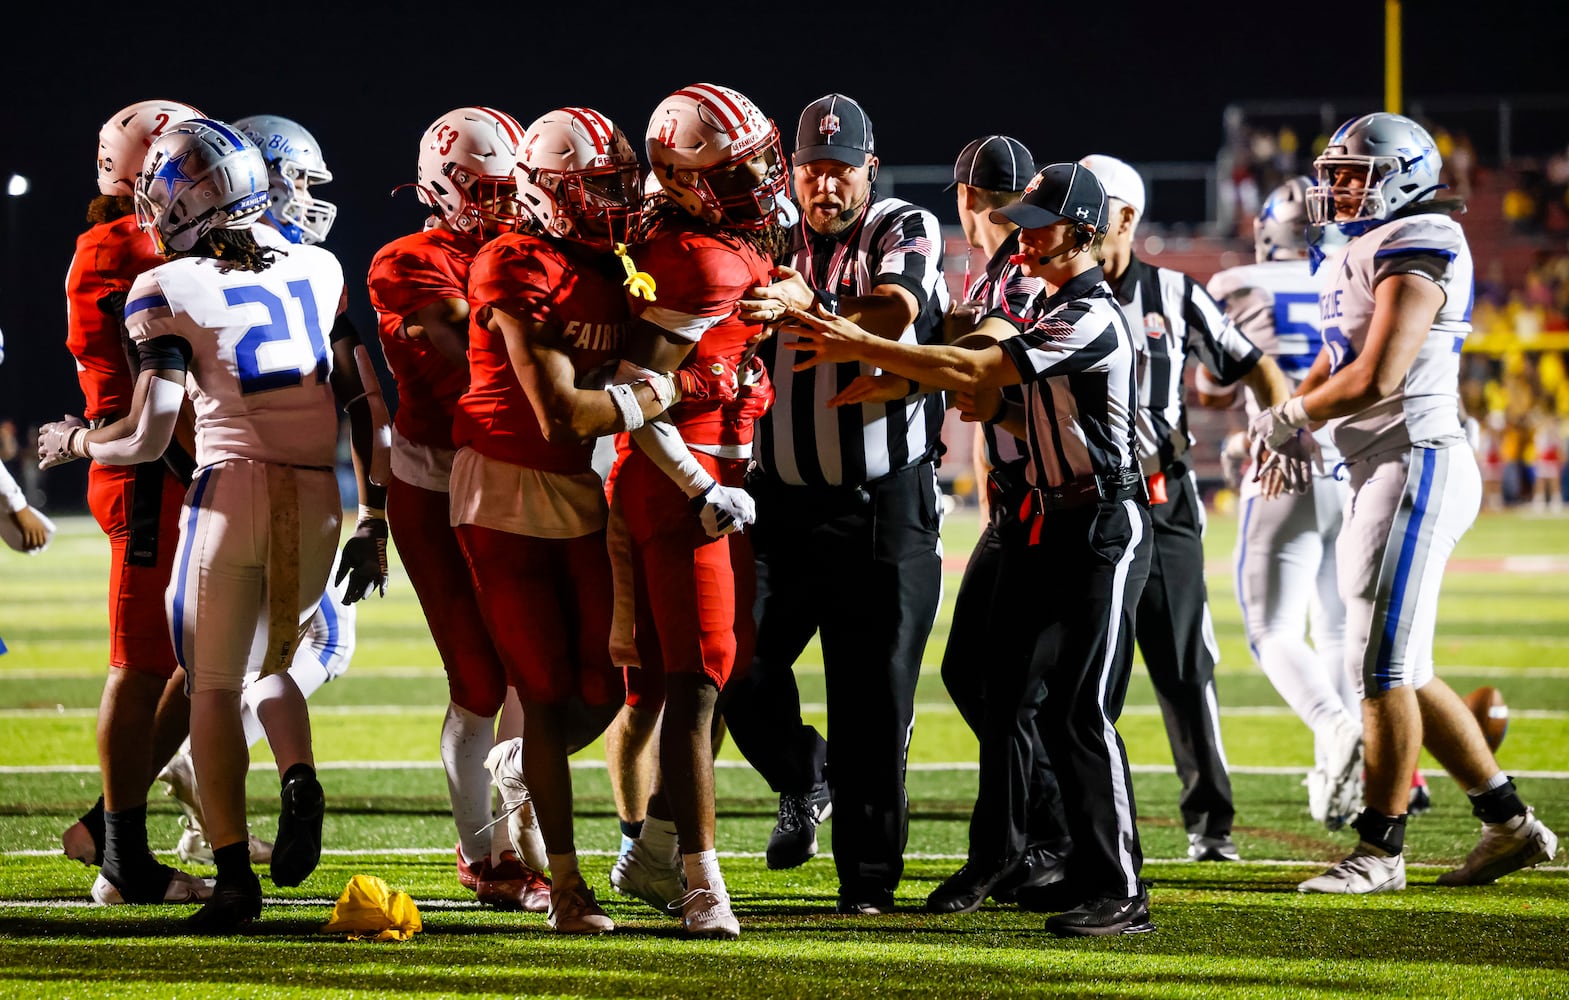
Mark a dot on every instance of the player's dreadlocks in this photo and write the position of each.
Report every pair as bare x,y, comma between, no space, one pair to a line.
108,207
235,250
773,241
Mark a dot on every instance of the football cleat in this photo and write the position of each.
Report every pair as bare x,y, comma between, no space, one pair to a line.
794,840
1343,772
1522,842
511,885
706,913
1202,848
194,849
298,848
470,874
660,886
230,909
574,910
505,764
182,888
179,778
1367,869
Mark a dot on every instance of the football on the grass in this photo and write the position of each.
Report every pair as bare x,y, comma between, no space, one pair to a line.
1491,713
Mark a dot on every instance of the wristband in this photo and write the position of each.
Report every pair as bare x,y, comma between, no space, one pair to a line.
626,404
77,443
665,391
829,301
1293,412
372,513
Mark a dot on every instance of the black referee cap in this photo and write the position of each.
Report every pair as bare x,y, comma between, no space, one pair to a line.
1061,191
834,127
995,163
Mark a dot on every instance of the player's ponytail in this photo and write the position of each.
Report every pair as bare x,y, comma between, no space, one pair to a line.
234,249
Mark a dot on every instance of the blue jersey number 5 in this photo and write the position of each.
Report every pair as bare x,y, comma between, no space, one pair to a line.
277,328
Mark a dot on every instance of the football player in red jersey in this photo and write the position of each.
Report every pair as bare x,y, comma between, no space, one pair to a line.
138,507
723,171
419,288
529,510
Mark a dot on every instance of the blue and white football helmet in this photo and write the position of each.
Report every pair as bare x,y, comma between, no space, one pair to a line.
1280,227
199,176
294,163
1401,162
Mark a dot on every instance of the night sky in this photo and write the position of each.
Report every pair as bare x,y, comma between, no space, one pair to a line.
1148,83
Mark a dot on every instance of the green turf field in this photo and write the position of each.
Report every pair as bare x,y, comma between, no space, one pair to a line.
1229,930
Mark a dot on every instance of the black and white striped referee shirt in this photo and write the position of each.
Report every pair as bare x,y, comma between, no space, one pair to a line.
1172,317
1004,292
801,441
1076,357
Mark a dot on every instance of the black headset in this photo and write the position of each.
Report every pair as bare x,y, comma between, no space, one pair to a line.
1083,234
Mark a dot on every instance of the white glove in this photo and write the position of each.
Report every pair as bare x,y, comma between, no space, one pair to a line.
1276,424
724,509
1233,456
1295,460
54,442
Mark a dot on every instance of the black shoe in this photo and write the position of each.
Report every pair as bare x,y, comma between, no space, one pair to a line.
873,903
1421,801
966,889
297,850
1104,916
1218,848
1041,867
794,840
1052,897
230,908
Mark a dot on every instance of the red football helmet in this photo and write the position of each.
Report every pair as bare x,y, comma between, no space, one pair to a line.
717,156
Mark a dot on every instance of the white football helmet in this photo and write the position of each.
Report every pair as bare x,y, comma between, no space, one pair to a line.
294,162
200,175
466,161
719,158
1401,162
1280,228
578,177
124,138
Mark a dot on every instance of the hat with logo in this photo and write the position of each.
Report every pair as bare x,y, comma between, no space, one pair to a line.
1118,180
1060,191
834,127
995,163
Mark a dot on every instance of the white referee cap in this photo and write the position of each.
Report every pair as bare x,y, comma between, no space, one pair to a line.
1119,180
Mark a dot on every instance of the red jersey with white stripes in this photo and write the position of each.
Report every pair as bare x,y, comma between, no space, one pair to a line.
700,277
407,275
108,258
572,294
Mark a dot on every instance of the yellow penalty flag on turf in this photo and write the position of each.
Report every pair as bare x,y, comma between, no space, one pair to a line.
369,908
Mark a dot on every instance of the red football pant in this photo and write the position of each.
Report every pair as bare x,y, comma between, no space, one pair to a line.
417,518
694,592
139,637
546,603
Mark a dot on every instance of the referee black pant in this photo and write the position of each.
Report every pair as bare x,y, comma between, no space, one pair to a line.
1064,610
860,568
973,674
1177,640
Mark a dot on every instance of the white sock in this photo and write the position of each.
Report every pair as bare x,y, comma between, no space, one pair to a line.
563,866
1498,780
702,869
465,740
657,842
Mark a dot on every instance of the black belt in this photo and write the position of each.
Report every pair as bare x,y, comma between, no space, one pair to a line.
1111,487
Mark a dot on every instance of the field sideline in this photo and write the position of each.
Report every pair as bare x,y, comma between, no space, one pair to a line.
1223,930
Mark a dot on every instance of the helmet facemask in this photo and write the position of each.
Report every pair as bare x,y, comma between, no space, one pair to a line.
298,214
598,206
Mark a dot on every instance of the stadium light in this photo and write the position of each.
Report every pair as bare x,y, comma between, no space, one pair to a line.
17,186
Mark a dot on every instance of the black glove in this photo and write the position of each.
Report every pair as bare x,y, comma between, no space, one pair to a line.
364,560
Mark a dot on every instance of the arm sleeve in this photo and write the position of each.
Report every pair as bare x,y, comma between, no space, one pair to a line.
1213,338
153,430
909,254
1075,338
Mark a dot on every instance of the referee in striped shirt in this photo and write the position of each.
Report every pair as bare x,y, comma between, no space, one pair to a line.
1021,845
1075,552
846,537
1172,318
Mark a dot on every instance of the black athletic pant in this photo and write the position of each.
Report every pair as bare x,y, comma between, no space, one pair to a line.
973,674
1176,638
1064,614
859,567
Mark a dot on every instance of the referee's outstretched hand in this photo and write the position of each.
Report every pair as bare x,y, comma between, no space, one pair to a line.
823,336
769,303
884,387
